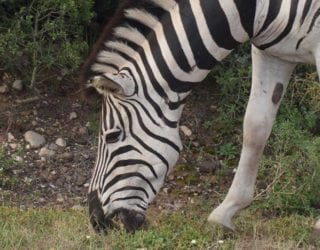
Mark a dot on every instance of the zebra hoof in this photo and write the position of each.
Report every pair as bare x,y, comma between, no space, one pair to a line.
216,218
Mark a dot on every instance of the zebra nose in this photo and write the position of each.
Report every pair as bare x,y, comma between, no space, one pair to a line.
97,218
132,220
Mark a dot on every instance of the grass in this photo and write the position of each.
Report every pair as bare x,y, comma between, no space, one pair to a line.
67,229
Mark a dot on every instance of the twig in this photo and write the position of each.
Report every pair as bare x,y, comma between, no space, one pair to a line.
269,186
28,100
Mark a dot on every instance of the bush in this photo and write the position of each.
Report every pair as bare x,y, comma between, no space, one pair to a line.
41,36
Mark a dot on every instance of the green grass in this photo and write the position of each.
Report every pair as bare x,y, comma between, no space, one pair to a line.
60,229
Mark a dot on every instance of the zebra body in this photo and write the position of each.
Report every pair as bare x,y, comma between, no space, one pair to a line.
145,64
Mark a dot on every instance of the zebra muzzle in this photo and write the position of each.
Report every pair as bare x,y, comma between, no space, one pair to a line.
131,220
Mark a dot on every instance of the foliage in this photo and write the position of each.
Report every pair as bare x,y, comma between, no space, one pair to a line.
37,36
6,164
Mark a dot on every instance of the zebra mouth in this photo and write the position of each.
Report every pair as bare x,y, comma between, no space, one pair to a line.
131,220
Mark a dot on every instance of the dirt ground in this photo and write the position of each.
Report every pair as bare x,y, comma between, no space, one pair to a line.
62,179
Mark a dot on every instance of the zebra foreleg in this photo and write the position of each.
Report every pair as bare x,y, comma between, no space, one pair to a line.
269,81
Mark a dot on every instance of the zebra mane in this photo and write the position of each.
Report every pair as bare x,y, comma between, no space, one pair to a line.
118,19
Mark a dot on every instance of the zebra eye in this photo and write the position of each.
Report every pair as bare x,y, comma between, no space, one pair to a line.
112,136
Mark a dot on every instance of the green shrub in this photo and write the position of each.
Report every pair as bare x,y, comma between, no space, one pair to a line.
41,36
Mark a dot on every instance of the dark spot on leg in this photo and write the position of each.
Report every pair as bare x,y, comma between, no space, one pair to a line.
277,93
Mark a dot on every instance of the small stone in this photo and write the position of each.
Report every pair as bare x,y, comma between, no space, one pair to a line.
11,138
208,166
53,146
60,198
73,115
186,131
41,200
34,123
61,142
83,131
88,124
4,89
45,152
77,208
34,139
65,156
86,185
27,180
18,158
17,85
13,146
81,180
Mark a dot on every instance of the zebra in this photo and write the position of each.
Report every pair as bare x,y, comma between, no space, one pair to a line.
145,64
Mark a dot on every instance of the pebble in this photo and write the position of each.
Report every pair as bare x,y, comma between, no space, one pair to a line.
34,139
208,166
18,158
81,180
186,131
65,156
77,208
53,146
11,138
13,145
83,131
17,85
73,115
45,152
61,142
60,198
4,89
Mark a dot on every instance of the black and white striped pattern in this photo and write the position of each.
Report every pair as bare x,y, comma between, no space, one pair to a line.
151,55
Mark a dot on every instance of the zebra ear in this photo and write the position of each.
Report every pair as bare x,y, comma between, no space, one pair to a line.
104,85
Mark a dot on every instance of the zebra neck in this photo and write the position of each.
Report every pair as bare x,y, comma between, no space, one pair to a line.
173,45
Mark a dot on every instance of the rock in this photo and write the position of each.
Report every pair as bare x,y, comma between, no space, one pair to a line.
78,208
186,131
34,139
4,89
34,123
17,85
81,180
73,115
83,131
65,156
60,198
11,138
18,159
13,145
61,142
46,152
208,167
53,146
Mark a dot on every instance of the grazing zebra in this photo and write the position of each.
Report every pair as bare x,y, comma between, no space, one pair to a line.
145,64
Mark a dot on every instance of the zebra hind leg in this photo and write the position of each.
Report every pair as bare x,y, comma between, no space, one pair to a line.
269,81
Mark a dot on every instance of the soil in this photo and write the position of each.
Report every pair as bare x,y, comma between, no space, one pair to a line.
62,181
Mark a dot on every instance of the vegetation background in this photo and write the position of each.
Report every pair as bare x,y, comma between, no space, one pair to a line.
42,39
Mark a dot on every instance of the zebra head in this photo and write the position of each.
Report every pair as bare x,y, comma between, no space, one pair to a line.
138,144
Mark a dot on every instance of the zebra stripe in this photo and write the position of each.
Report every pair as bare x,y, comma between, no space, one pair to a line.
145,64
